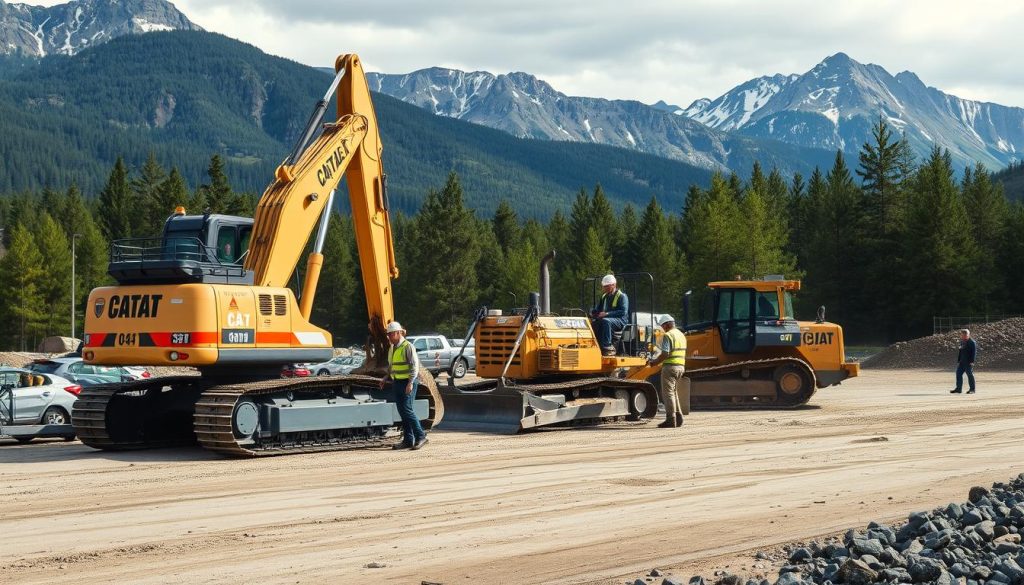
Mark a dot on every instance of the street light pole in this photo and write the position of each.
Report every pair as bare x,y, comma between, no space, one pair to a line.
74,238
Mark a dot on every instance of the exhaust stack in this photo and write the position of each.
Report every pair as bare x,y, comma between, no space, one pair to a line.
545,283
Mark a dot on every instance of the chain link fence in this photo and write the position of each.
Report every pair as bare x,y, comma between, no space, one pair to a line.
950,324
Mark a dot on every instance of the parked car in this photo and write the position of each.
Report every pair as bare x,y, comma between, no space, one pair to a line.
296,371
437,354
38,398
339,366
137,372
79,372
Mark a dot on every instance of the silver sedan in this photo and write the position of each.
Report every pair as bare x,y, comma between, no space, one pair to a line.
30,398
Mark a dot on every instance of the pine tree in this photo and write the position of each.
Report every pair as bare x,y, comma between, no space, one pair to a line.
173,193
21,278
593,262
660,257
632,249
332,308
835,272
1012,258
116,204
443,252
988,213
506,226
938,248
714,235
55,285
763,240
146,214
603,220
216,195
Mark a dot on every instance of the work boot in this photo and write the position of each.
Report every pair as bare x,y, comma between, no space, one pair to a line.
669,423
971,391
608,350
402,445
955,391
419,444
679,419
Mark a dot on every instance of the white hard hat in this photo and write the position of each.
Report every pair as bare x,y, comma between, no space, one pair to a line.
666,319
608,279
395,327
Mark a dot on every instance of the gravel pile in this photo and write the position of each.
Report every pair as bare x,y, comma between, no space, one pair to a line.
1000,347
977,542
17,359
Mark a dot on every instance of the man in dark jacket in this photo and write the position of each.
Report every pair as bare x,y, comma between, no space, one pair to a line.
965,362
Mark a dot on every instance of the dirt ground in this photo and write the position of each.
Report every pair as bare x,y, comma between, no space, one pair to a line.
599,505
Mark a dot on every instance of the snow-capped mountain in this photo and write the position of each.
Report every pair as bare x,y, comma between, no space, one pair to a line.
38,31
528,107
835,104
734,109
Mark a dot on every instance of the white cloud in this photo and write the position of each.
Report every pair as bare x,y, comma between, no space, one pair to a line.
647,50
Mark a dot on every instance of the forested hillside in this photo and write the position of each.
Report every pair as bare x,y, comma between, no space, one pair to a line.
185,95
885,245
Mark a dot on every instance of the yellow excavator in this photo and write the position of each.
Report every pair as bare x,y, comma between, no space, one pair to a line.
212,293
543,369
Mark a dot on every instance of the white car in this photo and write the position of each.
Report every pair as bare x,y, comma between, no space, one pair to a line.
34,398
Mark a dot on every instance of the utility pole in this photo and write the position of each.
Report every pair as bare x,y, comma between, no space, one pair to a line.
74,238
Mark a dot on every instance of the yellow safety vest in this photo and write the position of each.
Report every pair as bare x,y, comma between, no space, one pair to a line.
615,299
400,368
677,357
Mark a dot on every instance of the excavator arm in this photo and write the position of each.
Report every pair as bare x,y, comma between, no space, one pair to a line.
301,197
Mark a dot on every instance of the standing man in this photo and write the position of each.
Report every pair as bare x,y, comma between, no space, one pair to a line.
965,362
610,313
403,371
673,366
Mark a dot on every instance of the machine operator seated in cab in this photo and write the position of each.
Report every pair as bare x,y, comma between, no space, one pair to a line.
609,314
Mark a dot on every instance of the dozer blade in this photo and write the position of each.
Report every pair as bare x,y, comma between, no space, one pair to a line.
490,407
482,407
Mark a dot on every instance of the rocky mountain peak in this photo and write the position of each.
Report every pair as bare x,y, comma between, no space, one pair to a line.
37,31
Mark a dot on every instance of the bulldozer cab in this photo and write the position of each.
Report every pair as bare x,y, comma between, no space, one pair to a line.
207,248
750,313
636,337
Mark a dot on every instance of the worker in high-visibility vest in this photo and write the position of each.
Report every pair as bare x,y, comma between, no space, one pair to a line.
675,392
403,371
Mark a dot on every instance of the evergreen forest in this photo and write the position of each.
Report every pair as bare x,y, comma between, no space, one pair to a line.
884,245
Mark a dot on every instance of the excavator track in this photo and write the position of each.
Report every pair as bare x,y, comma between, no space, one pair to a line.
143,414
513,408
215,418
777,383
184,410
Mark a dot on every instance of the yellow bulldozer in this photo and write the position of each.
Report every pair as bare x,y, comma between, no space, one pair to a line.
541,369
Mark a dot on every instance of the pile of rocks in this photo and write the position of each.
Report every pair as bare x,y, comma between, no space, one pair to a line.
1000,347
17,359
974,543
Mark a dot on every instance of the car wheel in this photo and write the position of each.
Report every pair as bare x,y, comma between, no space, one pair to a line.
323,373
23,439
459,369
56,415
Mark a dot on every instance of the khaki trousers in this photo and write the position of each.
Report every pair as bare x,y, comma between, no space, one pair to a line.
675,393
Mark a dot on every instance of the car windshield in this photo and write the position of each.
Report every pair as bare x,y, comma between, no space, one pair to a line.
45,367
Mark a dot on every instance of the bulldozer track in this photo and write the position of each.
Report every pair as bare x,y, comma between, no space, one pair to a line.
212,417
746,402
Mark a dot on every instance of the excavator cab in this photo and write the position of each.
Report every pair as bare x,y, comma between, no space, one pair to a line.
208,249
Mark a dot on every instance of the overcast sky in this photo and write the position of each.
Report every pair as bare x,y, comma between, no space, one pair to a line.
677,51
